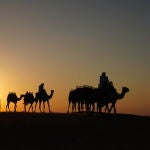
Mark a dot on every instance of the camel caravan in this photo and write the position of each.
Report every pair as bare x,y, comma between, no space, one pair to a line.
82,98
91,99
29,99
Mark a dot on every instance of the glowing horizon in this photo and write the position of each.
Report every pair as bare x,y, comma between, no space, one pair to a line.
67,44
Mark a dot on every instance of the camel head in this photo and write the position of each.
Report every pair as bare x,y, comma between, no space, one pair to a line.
125,90
52,91
51,94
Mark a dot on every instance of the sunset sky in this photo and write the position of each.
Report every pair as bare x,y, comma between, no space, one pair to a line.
69,43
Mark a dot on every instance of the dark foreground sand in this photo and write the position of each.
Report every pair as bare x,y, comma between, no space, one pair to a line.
39,131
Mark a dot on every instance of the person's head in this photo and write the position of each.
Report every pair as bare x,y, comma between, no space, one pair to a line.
41,85
103,73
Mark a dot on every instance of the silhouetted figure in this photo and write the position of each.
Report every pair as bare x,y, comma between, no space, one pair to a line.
89,97
103,81
111,98
72,99
111,88
42,96
79,96
12,97
41,88
29,99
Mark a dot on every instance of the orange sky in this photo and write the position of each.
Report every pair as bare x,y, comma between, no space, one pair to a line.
65,44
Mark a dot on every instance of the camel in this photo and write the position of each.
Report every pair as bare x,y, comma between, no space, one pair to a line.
79,96
43,97
89,96
72,99
12,97
111,98
29,99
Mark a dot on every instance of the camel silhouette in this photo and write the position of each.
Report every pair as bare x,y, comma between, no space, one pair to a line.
110,98
29,99
115,97
72,99
43,97
79,96
89,96
12,97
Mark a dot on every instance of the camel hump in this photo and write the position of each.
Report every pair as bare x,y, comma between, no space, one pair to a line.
12,95
42,93
29,94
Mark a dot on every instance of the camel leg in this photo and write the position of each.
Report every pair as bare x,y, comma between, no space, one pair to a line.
24,108
82,106
78,107
97,107
93,107
40,105
15,107
43,106
115,111
100,110
68,107
114,107
87,107
30,107
7,106
73,107
107,108
48,106
35,106
110,108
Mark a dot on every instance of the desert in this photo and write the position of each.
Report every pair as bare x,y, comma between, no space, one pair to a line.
73,131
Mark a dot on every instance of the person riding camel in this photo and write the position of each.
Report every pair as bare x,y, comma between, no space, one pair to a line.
41,89
103,81
105,85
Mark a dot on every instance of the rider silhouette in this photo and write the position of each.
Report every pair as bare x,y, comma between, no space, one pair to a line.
111,88
103,81
41,89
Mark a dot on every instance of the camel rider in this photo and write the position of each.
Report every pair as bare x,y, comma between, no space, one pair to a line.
41,88
111,88
103,81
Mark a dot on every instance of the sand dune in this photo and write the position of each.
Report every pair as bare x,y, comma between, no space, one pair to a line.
36,131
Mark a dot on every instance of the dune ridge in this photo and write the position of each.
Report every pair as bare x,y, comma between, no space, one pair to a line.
21,130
